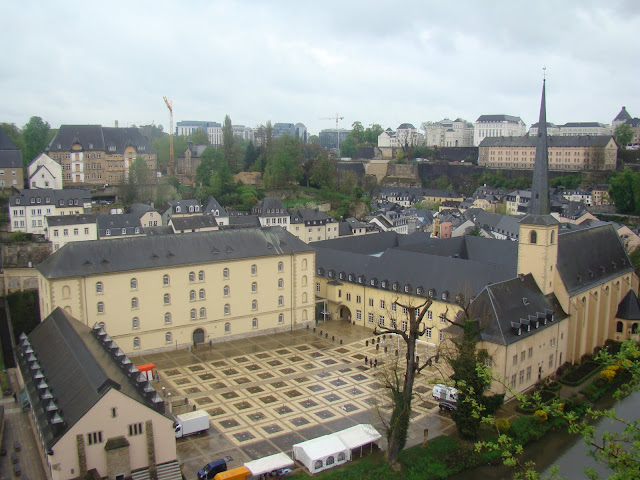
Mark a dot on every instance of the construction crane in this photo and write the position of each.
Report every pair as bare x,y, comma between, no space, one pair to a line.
169,103
337,118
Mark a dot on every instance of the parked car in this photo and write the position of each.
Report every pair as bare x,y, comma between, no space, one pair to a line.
211,469
447,406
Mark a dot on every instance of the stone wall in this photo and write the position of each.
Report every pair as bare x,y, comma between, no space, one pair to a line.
24,254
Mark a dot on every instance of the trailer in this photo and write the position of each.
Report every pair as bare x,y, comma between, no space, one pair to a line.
191,423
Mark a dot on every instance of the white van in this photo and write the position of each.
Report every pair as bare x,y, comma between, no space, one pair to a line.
444,393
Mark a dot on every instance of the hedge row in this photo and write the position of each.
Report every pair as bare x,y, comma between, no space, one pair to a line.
580,373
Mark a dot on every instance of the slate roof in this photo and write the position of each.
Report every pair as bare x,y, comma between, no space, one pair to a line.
623,115
54,196
405,126
410,193
212,205
243,221
498,118
194,222
365,244
442,274
590,256
10,158
184,206
629,307
121,138
65,220
552,141
140,209
162,251
116,223
310,216
5,142
78,370
270,207
90,137
503,307
583,124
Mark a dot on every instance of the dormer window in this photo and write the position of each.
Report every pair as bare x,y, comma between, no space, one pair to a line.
341,275
407,288
525,301
419,290
177,209
108,232
38,200
91,146
395,286
17,201
384,284
432,293
445,295
33,200
47,200
351,277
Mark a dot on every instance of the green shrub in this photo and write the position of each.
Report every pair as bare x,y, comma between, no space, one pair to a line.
503,425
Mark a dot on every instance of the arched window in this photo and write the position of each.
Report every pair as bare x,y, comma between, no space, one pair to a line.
167,337
341,457
134,284
254,323
553,237
201,275
304,297
134,303
533,237
619,327
98,287
165,280
201,294
254,287
280,283
281,318
280,301
227,309
100,307
192,276
135,323
304,264
167,299
193,314
280,266
330,460
192,295
66,292
254,269
254,305
203,312
136,342
227,327
304,280
225,291
225,273
167,318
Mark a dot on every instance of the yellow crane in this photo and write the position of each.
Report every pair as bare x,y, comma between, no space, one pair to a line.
169,103
337,118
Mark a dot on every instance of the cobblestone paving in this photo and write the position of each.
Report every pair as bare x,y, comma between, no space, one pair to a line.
266,393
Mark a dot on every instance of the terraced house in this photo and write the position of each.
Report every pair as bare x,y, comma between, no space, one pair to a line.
168,291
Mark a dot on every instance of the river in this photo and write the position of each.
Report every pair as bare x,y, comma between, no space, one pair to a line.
562,449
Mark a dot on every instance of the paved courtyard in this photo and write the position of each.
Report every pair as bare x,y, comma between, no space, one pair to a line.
265,394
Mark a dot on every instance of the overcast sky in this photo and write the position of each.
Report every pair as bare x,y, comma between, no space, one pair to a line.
386,62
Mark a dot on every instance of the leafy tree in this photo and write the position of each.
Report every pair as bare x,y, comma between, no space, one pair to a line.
624,191
372,133
139,172
346,182
474,232
348,147
232,153
199,137
14,133
213,173
161,146
323,172
623,135
313,140
250,156
34,134
283,164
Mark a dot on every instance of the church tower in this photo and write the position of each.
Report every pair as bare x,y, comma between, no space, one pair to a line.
538,238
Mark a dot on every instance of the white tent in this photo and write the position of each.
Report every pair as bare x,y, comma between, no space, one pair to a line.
358,436
322,453
269,464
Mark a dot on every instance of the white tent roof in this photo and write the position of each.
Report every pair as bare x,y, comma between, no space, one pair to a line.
358,435
320,447
269,464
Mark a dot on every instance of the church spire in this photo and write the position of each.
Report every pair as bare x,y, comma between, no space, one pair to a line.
540,203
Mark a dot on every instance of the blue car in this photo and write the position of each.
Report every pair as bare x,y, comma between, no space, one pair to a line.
211,469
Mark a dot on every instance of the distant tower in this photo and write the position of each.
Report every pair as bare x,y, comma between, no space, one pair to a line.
538,238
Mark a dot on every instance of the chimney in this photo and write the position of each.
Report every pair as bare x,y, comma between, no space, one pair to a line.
116,124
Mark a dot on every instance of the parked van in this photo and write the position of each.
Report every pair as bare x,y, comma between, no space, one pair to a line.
239,473
445,393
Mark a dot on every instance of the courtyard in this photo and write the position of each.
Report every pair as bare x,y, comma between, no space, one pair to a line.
264,394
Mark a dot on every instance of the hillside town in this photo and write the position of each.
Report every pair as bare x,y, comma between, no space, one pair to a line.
264,317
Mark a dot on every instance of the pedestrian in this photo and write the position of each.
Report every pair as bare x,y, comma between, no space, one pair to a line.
15,397
375,364
366,360
370,363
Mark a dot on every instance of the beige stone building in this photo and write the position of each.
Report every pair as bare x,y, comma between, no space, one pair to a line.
565,153
62,229
312,225
91,408
97,155
168,291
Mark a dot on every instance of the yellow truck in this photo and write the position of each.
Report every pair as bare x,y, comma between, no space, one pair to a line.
239,473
